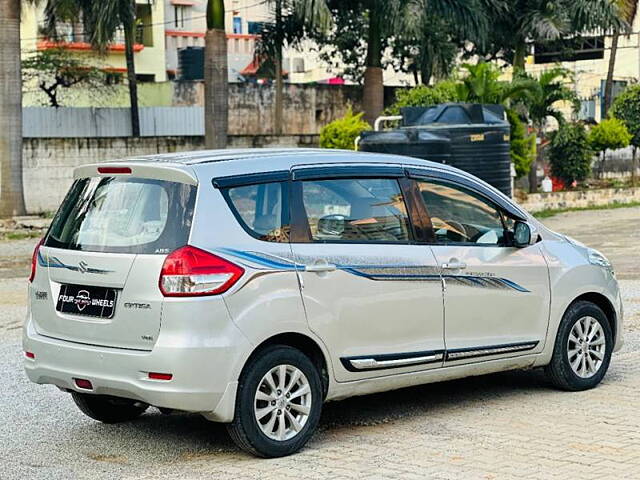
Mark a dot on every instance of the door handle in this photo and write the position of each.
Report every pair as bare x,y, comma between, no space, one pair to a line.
320,267
454,265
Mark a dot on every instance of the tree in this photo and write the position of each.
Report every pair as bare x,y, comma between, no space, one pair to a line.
626,108
627,10
294,21
216,81
11,187
423,96
55,70
570,154
103,21
366,28
523,146
481,84
542,103
610,134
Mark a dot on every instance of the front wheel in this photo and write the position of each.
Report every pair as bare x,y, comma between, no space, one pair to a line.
278,403
107,409
583,348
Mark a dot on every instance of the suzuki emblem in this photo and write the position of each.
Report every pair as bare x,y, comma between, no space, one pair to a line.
83,267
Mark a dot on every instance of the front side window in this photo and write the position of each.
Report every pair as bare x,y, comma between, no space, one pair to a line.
123,215
355,210
261,209
458,216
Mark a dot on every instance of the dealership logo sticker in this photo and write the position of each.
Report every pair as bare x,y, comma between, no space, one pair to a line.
82,299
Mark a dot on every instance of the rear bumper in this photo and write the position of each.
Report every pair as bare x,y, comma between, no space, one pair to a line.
204,377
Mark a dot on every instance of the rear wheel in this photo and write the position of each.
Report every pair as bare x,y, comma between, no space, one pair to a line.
107,409
583,348
278,403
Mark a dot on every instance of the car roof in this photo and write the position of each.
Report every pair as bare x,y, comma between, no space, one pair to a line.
198,157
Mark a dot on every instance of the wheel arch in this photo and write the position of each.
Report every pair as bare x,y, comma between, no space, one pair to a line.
605,305
302,342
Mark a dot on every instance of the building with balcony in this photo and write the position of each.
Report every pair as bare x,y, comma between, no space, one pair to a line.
149,49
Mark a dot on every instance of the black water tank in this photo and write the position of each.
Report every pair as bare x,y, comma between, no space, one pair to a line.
472,137
191,63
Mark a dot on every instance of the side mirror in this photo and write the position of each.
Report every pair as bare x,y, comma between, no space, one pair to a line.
332,225
524,235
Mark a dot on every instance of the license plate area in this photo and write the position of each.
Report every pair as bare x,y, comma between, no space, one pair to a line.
99,302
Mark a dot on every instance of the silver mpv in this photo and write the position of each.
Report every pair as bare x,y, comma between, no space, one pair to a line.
251,286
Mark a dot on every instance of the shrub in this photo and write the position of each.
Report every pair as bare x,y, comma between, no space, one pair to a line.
342,133
570,154
523,146
610,134
424,96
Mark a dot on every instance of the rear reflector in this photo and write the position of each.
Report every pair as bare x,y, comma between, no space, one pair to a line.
189,272
30,355
115,170
160,376
82,383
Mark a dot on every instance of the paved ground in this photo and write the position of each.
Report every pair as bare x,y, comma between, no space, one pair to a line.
503,426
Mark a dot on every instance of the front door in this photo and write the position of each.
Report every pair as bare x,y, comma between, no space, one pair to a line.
496,296
370,294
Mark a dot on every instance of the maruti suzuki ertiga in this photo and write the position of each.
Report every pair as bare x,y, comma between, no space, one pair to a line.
252,286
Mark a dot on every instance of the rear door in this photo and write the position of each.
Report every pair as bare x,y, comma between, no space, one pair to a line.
102,257
371,293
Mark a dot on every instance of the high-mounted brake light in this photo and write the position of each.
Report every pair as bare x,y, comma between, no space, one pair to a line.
34,260
189,272
115,170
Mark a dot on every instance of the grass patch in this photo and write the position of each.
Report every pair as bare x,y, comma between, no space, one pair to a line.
21,235
550,212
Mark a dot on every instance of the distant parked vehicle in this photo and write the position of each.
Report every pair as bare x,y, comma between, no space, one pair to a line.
251,286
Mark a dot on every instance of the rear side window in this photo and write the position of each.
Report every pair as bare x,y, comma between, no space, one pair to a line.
355,210
262,210
124,215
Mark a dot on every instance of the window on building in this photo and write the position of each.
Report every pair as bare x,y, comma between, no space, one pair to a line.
180,15
255,28
569,50
237,25
298,65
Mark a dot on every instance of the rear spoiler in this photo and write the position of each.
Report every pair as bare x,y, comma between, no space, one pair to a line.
170,173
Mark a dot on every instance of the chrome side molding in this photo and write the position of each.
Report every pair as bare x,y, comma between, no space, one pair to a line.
484,351
372,363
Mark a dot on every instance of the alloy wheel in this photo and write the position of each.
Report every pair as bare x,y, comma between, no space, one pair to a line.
282,402
586,347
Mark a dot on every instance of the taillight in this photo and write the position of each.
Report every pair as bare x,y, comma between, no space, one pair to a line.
189,272
34,260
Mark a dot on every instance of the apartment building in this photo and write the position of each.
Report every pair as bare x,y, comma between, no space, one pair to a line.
149,49
588,59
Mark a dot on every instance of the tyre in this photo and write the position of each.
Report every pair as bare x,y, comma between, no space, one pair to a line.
278,403
583,348
107,409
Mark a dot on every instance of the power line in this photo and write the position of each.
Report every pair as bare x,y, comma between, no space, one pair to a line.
151,25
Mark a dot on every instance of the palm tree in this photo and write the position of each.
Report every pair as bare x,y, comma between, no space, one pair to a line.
627,10
481,84
11,188
386,16
103,21
216,82
294,21
542,103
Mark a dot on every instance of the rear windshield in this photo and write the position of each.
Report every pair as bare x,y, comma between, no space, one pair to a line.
123,215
